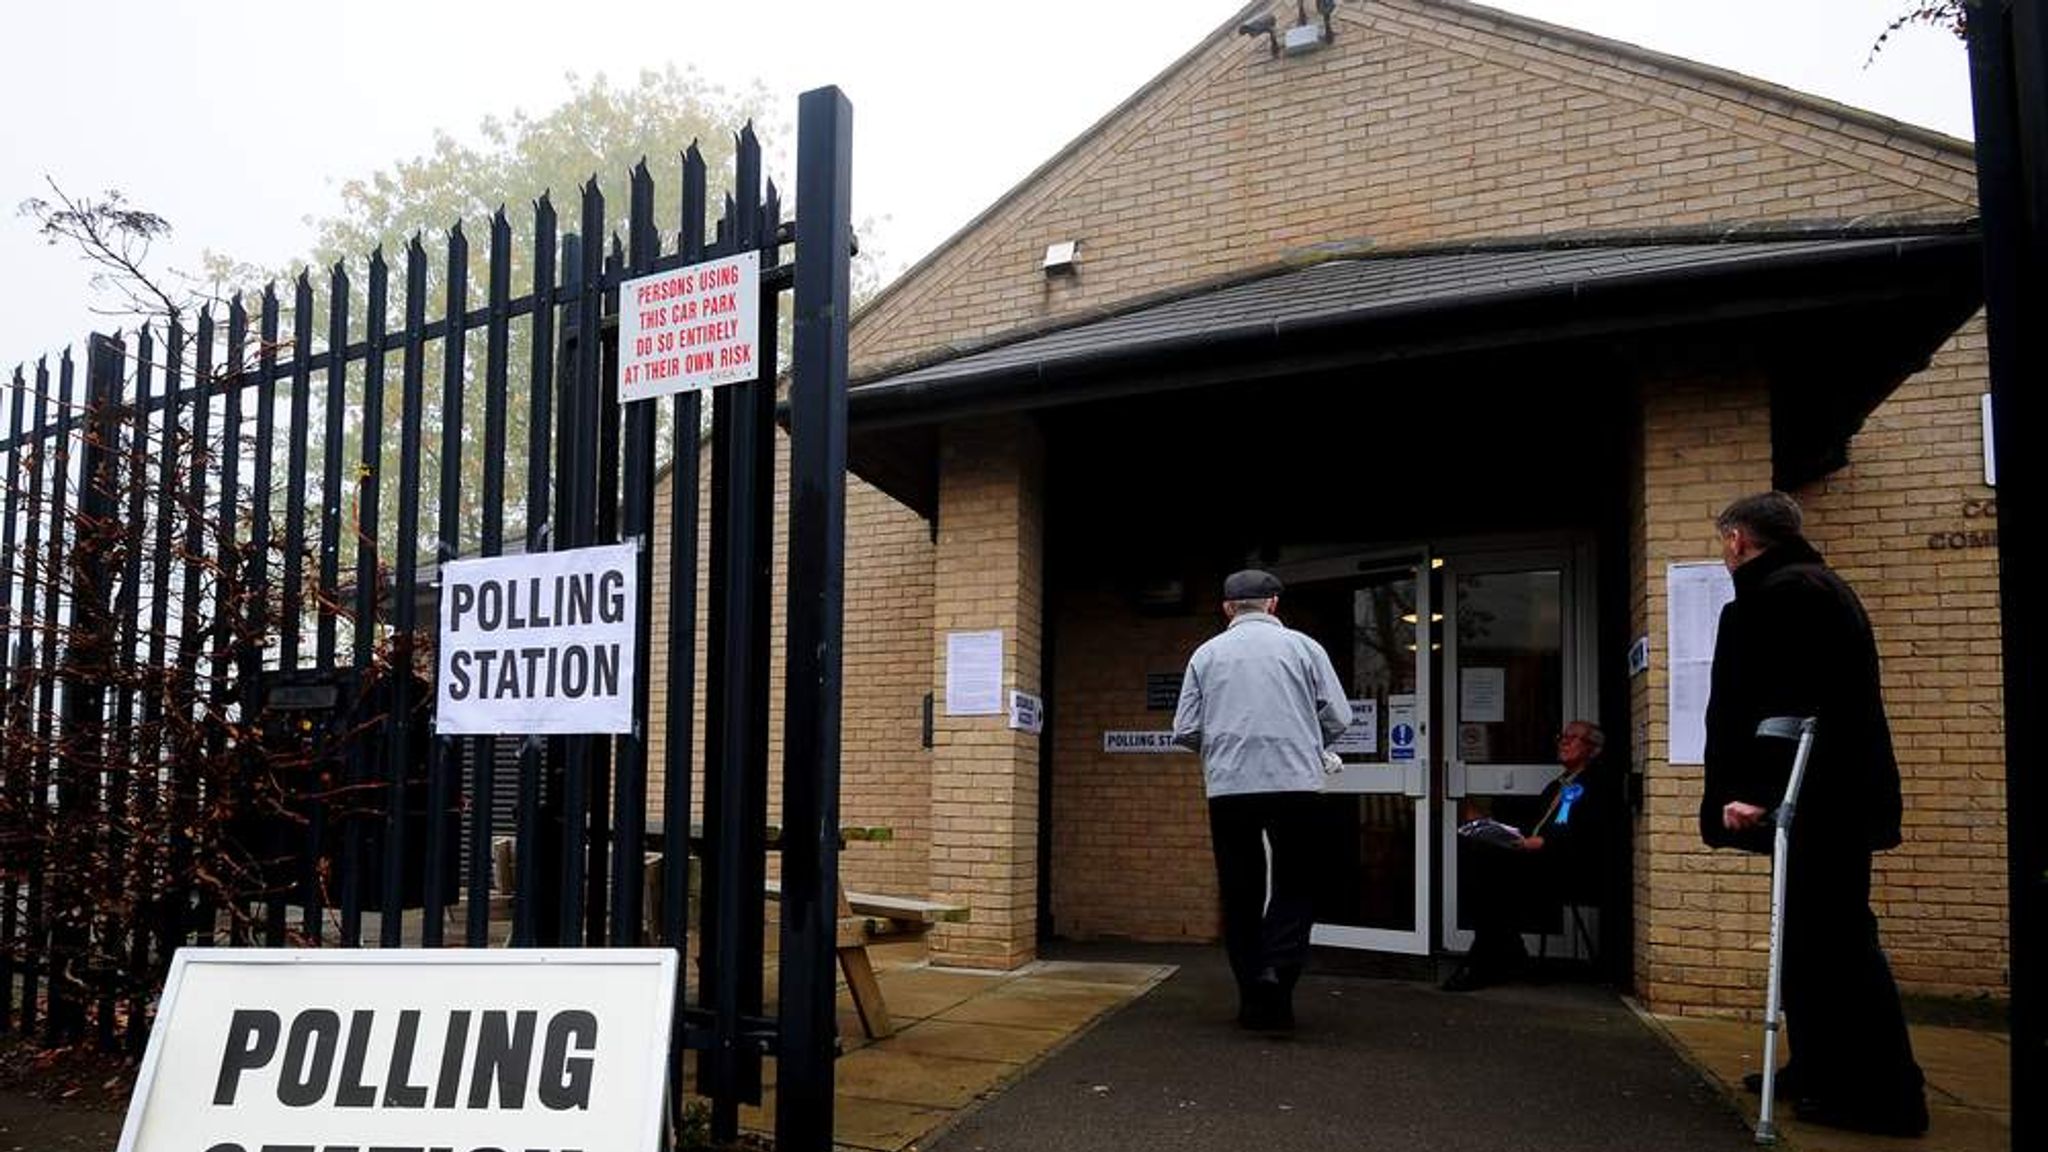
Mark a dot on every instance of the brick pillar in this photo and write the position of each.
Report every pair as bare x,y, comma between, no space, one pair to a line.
984,788
1701,918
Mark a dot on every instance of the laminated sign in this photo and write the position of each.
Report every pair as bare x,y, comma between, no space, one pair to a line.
693,328
538,643
319,1050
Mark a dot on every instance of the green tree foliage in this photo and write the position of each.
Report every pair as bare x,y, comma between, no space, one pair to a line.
599,131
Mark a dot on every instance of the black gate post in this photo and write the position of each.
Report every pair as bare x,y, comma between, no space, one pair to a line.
737,741
817,529
79,765
2009,86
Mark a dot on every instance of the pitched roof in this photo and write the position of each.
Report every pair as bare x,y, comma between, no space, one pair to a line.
1274,308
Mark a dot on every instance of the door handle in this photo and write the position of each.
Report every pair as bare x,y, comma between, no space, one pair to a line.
1454,779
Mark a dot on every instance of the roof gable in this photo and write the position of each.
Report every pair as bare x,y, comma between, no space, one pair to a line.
1426,121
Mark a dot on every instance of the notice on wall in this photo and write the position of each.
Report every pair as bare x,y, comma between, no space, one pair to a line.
974,673
538,643
1141,743
550,1050
690,329
1162,691
1482,695
1695,595
1363,737
1027,713
1401,730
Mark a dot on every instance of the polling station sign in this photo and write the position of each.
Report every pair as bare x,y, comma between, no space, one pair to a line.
304,1050
690,328
538,643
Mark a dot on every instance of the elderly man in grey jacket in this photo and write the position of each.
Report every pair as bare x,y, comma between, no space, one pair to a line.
1261,702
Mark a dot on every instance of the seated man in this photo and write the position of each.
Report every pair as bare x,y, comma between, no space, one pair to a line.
1508,869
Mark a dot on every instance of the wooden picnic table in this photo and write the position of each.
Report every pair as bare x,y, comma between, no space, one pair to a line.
864,918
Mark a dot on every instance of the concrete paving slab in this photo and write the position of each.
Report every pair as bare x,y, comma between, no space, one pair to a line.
1001,1043
1968,1066
1968,1080
1027,1003
1125,975
918,992
881,1124
906,1077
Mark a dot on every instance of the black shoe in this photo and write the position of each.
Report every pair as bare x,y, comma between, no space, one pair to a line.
1786,1087
1887,1119
1268,1007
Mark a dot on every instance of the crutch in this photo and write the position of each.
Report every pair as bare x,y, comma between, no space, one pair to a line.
1779,728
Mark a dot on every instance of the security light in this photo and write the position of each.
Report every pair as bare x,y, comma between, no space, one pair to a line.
1261,26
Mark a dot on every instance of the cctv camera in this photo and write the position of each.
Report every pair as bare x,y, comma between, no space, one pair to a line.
1257,27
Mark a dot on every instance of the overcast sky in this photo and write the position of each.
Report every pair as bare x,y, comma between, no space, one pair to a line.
239,119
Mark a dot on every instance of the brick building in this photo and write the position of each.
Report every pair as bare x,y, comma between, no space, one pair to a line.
1465,325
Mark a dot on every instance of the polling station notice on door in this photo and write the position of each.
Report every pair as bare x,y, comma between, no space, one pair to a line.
538,643
542,1050
690,329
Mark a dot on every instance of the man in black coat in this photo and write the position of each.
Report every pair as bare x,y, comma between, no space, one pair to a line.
1796,642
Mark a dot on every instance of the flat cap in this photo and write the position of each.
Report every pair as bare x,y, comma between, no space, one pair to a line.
1251,584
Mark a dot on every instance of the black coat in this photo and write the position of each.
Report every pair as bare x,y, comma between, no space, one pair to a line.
1796,642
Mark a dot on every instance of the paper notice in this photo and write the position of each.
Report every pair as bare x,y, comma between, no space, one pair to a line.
974,674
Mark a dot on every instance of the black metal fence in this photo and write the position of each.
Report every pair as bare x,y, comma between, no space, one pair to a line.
216,711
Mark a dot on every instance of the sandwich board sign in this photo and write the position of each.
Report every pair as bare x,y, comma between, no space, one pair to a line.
320,1050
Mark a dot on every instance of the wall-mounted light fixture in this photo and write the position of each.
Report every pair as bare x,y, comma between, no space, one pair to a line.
1061,258
1261,26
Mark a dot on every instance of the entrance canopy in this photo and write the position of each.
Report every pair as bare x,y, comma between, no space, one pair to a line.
1834,319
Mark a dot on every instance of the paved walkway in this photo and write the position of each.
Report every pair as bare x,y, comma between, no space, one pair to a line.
1134,1048
1969,1085
1375,1064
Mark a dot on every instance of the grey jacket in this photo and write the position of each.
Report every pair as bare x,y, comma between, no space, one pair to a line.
1259,702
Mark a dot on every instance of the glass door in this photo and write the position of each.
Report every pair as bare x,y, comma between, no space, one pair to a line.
1374,619
1513,676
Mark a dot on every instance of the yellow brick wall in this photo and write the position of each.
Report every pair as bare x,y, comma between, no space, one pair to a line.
1701,917
1906,524
885,770
988,574
1915,477
1130,833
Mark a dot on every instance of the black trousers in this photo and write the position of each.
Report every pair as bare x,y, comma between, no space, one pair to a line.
1257,933
1842,1009
1500,888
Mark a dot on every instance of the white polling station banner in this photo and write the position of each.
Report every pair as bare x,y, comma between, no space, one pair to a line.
538,643
691,328
535,1049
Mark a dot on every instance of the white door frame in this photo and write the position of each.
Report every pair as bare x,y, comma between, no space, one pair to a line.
1573,559
1411,779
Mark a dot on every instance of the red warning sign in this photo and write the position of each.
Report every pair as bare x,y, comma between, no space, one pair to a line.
693,328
